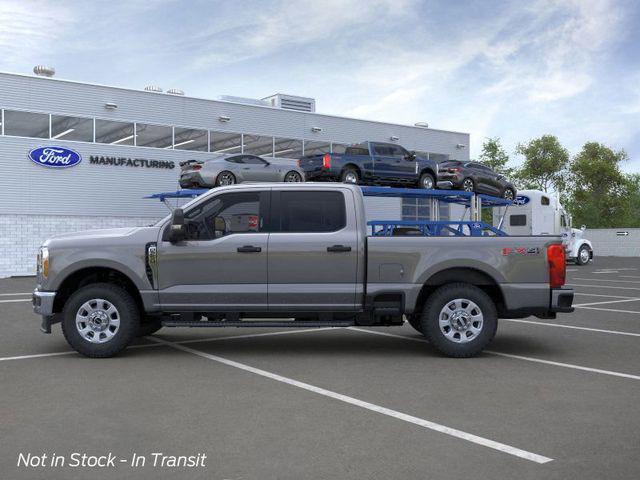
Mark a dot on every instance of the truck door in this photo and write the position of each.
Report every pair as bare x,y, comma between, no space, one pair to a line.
313,251
222,264
390,163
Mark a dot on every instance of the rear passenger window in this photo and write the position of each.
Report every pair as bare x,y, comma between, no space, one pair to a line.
312,212
517,220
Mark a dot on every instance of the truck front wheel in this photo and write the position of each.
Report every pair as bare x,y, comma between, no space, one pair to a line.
584,255
100,320
459,320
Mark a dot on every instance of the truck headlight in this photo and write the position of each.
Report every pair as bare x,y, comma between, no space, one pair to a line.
43,261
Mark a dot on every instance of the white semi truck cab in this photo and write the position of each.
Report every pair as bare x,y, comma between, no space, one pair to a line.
535,212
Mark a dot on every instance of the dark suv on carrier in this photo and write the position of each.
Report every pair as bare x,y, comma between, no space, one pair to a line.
475,177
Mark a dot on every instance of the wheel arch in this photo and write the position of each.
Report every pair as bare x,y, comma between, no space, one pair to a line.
95,274
354,166
469,275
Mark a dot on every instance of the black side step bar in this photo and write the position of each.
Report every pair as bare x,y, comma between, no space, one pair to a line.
259,323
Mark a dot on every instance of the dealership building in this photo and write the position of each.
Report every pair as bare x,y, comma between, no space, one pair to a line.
128,144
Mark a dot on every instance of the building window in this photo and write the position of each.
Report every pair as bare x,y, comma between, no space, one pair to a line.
257,145
115,133
26,124
157,136
287,148
71,128
316,148
225,142
190,139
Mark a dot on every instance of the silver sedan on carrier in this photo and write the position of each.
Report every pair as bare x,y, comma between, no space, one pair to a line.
238,168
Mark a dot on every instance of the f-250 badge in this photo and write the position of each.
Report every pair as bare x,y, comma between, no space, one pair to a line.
520,251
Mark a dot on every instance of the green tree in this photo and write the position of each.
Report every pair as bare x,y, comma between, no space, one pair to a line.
600,195
545,164
494,156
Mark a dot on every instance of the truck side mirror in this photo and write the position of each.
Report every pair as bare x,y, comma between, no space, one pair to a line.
219,227
583,228
177,231
410,156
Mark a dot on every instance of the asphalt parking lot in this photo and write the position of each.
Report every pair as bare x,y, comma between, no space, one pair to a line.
551,399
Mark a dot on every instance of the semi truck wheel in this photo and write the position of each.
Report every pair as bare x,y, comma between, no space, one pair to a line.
100,320
459,320
584,255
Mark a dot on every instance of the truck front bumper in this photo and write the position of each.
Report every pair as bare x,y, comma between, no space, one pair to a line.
43,305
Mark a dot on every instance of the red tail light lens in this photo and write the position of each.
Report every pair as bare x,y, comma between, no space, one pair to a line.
326,161
298,162
557,265
196,167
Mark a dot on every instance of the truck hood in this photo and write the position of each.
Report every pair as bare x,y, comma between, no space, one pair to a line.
107,236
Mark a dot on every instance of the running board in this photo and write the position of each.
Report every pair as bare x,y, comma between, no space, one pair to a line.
253,323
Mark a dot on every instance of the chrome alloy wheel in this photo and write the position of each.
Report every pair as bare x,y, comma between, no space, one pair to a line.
460,320
226,178
427,182
508,194
293,177
97,320
584,255
351,177
467,185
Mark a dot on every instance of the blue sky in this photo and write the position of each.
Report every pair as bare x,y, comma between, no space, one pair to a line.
515,70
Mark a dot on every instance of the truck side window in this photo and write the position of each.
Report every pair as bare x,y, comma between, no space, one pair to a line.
517,220
235,213
544,200
312,212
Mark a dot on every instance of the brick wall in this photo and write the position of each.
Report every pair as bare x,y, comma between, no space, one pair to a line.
22,235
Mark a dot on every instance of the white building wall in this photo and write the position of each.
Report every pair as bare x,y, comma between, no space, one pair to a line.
612,242
22,235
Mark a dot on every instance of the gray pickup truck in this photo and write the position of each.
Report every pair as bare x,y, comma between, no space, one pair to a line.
290,255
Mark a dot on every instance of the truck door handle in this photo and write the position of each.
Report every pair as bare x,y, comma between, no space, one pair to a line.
339,248
249,249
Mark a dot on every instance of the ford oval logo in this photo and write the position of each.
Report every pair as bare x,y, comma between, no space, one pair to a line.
521,200
55,157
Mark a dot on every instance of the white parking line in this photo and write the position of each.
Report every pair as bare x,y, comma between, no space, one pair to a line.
599,295
16,300
573,327
629,276
610,310
469,437
603,286
14,294
519,357
609,301
607,280
180,342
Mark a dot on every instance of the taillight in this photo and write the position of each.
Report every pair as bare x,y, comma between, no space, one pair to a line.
326,161
298,162
196,167
557,265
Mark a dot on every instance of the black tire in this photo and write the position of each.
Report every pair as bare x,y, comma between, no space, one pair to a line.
126,307
223,175
468,185
579,260
437,302
415,321
149,327
425,179
349,173
289,177
509,194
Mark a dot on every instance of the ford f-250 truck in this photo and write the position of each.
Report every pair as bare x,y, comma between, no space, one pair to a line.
372,163
250,255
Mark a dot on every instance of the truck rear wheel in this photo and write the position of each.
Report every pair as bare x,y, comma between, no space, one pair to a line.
100,320
350,175
459,320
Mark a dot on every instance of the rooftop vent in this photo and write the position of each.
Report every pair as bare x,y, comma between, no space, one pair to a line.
291,102
175,91
153,88
43,71
422,124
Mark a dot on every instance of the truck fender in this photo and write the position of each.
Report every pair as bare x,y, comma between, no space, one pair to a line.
577,245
